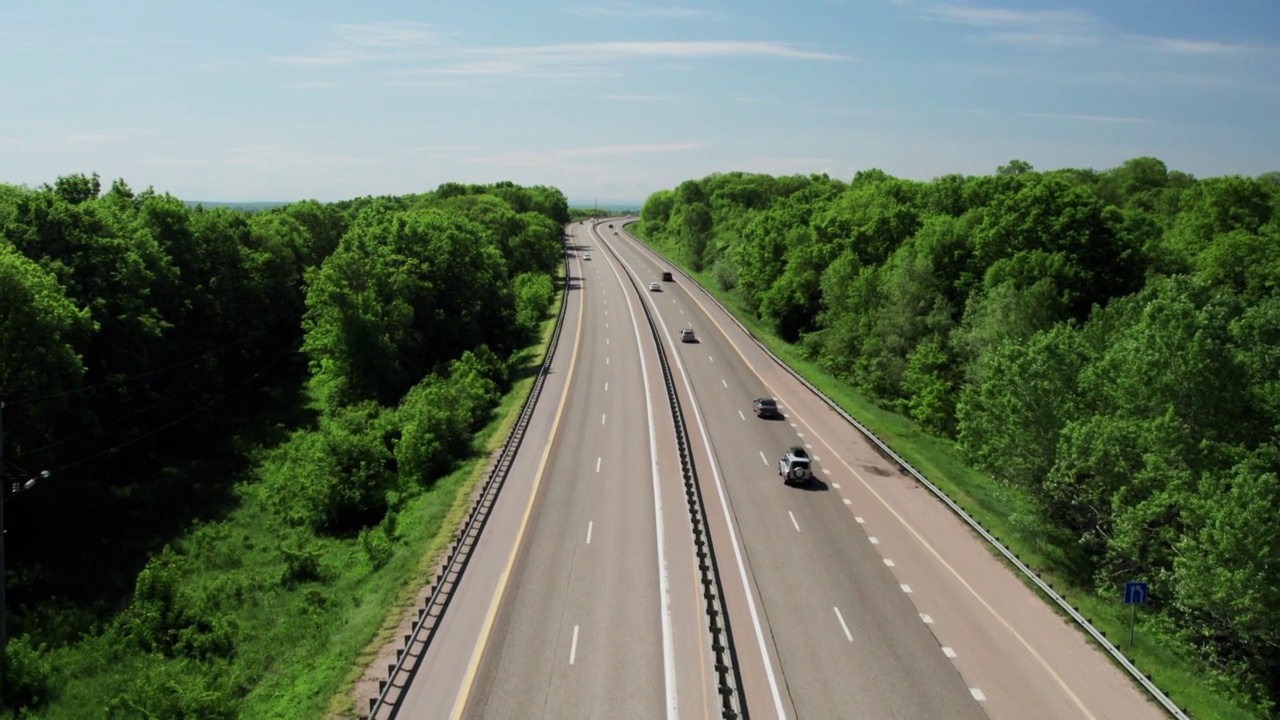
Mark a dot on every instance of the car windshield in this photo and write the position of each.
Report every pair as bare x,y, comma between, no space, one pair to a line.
766,402
799,453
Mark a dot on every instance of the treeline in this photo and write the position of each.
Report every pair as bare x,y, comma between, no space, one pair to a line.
142,342
1106,342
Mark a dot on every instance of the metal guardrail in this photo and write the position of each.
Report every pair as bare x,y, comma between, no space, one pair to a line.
400,674
1156,694
728,675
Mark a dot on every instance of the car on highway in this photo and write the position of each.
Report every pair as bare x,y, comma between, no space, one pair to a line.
586,256
655,287
766,407
666,276
687,335
610,226
794,466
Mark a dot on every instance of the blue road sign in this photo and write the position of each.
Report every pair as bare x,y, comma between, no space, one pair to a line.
1135,593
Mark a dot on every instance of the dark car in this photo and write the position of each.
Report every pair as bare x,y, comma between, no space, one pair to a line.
686,335
766,407
666,276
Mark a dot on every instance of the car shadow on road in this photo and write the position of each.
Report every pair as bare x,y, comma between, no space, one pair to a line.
814,485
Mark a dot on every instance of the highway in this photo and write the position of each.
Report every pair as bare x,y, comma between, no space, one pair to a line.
861,596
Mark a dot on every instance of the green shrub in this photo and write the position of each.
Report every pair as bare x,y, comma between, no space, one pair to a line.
28,675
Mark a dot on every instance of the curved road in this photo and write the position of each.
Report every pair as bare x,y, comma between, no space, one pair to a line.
859,597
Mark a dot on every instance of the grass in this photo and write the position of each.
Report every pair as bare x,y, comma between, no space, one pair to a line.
1003,513
299,648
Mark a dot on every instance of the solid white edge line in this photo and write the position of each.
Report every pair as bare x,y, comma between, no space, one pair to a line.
664,587
843,626
573,649
733,533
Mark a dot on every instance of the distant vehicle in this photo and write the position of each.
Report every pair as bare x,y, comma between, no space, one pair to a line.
686,335
610,226
586,256
766,407
794,466
666,276
655,287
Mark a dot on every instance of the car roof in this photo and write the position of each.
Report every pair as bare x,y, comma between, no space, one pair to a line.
766,401
798,452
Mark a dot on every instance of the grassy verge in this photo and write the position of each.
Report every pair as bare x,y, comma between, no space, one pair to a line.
1004,513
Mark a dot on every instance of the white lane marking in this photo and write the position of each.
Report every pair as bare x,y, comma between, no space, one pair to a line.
597,464
977,694
835,485
826,472
681,312
793,424
764,459
664,584
606,386
906,588
807,445
847,501
793,520
859,519
722,382
948,652
606,341
733,533
602,418
797,434
926,619
843,626
573,649
874,540
711,358
888,562
744,417
606,325
590,525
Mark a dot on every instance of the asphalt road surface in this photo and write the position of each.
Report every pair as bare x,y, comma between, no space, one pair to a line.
860,596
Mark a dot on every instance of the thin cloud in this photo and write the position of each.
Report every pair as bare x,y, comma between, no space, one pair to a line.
637,98
1019,28
365,42
92,137
1087,118
629,10
629,149
1187,46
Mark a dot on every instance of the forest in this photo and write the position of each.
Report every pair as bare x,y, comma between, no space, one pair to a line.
1105,344
252,424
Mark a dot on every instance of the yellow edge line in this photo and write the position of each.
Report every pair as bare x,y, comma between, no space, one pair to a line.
464,693
1021,640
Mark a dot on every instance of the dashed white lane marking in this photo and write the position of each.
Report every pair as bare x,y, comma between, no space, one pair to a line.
847,501
711,358
843,626
597,464
948,652
590,525
859,519
606,361
888,563
793,424
806,444
744,417
874,540
606,341
764,459
602,418
978,694
722,382
926,618
827,472
906,588
573,649
793,520
606,386
835,485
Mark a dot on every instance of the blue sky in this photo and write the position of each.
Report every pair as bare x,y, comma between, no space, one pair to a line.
240,101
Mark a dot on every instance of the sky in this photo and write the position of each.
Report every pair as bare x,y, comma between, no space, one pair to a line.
613,99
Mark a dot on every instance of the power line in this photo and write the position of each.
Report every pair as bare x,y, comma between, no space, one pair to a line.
170,424
117,381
